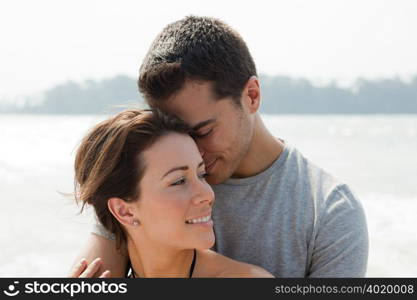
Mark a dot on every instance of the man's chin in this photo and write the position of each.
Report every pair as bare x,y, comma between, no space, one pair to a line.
216,178
213,180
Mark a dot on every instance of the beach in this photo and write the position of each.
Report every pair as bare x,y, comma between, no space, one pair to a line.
42,231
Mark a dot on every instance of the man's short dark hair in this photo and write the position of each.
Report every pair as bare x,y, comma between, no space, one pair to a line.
196,48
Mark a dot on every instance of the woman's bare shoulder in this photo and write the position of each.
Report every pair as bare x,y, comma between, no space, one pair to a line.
217,265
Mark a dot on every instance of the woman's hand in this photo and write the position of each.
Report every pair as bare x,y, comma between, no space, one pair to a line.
85,270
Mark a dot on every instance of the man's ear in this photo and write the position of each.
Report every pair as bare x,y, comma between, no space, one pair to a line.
252,94
121,210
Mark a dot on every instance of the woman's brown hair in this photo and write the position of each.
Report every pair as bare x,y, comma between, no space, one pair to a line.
109,163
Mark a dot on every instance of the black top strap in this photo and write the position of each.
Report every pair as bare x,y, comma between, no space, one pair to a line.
132,272
193,264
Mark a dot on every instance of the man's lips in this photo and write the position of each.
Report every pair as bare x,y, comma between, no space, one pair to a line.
210,165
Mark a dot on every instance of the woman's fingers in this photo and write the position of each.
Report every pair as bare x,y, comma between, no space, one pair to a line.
78,268
92,268
105,274
85,270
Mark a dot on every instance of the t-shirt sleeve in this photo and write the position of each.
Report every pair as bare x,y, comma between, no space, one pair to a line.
99,229
341,237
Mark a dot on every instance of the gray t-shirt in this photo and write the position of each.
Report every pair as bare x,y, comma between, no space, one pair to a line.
293,219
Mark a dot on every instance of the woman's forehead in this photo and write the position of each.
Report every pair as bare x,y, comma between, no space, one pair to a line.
171,150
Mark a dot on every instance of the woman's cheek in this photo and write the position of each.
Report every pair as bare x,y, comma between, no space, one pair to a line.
174,199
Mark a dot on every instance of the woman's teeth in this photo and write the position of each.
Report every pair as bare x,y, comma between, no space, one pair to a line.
199,220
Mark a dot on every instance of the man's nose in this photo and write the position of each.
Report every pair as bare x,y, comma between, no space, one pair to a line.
202,152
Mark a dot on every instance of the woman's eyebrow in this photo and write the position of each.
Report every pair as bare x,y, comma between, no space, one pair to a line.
182,168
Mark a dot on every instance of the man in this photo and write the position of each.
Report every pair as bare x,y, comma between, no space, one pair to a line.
273,207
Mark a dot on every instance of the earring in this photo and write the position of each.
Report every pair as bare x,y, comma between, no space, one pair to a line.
135,223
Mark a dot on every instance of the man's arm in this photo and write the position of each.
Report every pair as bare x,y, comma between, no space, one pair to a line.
340,237
105,248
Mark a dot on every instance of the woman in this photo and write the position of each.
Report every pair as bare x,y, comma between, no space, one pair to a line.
145,178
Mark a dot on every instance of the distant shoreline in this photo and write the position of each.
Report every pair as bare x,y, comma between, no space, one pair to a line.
280,95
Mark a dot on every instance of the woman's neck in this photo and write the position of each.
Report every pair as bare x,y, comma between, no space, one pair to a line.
150,260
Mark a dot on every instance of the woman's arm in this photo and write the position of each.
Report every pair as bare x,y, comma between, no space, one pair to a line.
111,259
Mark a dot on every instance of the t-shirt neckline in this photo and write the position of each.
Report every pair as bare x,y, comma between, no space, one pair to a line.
267,172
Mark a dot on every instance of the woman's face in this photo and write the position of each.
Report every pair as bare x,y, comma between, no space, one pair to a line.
175,200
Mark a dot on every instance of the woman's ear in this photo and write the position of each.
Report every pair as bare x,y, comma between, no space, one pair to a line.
123,211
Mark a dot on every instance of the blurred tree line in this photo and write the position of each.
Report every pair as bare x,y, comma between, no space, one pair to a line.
280,95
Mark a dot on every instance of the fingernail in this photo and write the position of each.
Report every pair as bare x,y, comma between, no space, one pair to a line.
105,274
97,259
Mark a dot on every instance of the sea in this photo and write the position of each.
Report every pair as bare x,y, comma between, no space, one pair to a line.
41,229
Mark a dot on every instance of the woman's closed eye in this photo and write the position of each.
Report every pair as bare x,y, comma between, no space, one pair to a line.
203,175
179,182
183,180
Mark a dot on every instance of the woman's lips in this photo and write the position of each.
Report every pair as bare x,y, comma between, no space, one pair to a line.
209,223
204,220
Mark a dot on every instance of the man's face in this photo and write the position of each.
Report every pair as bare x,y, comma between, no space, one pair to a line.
222,130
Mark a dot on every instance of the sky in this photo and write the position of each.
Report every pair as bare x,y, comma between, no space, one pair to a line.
48,42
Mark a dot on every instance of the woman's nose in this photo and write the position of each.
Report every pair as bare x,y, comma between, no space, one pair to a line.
203,193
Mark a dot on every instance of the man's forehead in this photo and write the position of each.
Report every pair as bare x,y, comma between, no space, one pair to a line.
195,103
194,113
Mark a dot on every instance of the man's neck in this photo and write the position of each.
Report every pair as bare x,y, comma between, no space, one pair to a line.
159,261
263,150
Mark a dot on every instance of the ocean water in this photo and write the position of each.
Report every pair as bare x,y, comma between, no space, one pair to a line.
42,232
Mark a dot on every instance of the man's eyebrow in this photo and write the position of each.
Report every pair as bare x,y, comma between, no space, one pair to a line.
182,168
202,124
